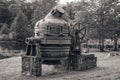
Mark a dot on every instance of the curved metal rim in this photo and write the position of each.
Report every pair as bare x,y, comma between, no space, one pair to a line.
80,30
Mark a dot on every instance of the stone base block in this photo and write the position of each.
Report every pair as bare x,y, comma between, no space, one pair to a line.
31,65
82,62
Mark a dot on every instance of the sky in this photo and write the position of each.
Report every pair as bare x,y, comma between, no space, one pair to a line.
64,1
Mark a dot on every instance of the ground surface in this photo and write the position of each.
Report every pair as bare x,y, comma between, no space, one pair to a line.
108,69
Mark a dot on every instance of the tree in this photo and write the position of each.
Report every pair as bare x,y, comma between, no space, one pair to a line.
101,15
41,9
70,10
110,20
5,29
14,9
101,18
107,17
28,10
4,12
91,16
85,14
21,27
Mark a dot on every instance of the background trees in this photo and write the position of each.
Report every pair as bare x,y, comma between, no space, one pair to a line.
41,9
21,27
4,12
20,17
100,17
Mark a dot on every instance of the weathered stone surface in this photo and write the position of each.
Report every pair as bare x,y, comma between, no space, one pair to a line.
82,62
31,65
36,66
25,64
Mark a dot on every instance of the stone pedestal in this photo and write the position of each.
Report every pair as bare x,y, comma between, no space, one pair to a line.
31,65
82,62
31,61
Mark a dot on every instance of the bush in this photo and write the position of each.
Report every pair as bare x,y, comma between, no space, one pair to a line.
4,29
20,27
4,37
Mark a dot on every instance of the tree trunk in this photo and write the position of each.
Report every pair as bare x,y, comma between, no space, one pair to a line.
102,49
101,45
115,44
101,32
87,46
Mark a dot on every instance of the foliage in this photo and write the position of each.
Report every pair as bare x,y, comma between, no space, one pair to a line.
4,12
101,18
41,9
28,9
21,16
21,27
5,29
70,10
4,37
14,9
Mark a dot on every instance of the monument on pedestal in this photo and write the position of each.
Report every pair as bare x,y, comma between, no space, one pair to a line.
56,42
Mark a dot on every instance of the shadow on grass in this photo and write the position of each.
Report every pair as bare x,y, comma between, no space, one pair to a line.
3,57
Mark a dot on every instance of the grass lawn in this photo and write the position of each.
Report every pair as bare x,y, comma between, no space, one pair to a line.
108,68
